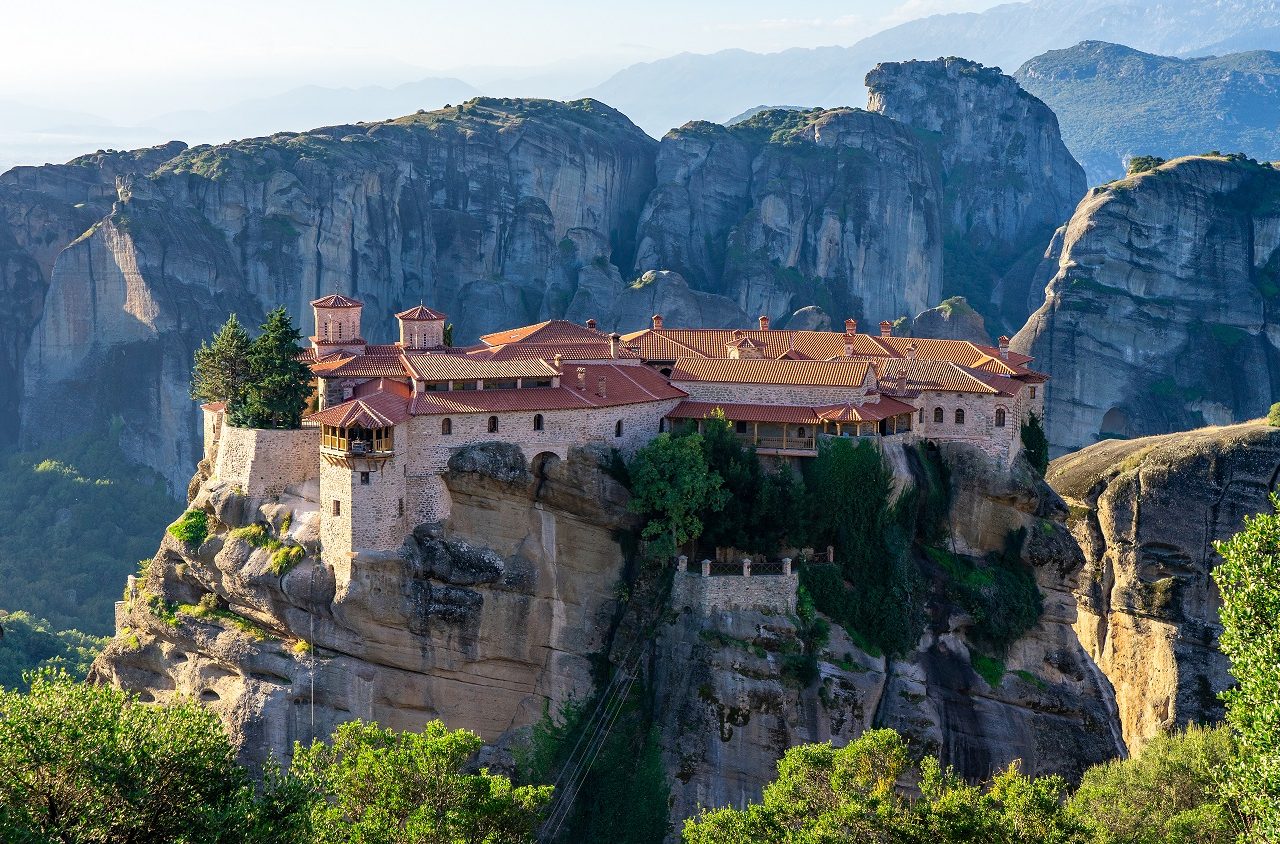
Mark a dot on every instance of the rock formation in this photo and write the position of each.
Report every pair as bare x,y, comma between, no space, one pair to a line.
1146,513
1158,315
792,208
994,142
953,319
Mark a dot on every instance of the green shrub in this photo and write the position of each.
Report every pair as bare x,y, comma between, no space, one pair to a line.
1000,593
257,534
192,528
988,668
1273,415
285,558
1036,443
1143,163
31,644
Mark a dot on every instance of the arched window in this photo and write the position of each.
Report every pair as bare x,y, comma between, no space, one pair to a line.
959,415
339,331
617,428
493,424
446,427
662,425
537,422
999,417
937,414
922,416
800,431
326,329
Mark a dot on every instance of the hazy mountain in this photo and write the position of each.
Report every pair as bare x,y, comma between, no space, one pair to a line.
661,94
1113,102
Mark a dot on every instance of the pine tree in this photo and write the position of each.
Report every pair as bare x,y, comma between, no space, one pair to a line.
222,366
279,383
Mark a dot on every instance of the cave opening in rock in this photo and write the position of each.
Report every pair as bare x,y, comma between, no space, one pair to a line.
542,463
1115,425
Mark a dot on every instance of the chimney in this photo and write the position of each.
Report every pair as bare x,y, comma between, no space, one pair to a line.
582,378
850,326
738,334
1004,347
911,351
764,323
848,345
591,323
657,321
614,340
886,329
600,391
559,360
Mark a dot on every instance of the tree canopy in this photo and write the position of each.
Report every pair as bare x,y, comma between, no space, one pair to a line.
279,383
672,486
222,366
1035,443
378,786
1249,580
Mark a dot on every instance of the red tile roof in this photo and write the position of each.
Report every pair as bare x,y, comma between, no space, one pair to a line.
337,300
623,385
420,313
936,375
383,385
547,351
551,331
362,366
885,408
429,366
802,373
376,410
214,406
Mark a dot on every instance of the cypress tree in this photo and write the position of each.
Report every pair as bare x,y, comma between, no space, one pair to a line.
222,366
1036,443
279,383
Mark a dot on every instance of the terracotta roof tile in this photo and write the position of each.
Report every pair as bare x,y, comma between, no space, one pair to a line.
598,351
376,410
430,366
420,313
934,375
383,385
806,373
336,300
214,406
623,385
551,331
362,366
885,408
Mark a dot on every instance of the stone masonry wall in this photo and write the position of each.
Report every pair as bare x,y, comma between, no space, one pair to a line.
263,462
734,592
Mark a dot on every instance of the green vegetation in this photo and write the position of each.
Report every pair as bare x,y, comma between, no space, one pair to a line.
192,527
824,794
376,785
1273,415
1143,163
87,763
875,588
1035,443
76,518
671,487
988,668
221,368
999,593
1163,795
31,644
1249,580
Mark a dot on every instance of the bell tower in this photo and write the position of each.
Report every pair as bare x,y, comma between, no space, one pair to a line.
337,320
421,328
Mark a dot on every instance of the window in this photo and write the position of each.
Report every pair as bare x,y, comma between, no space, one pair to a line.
537,422
446,427
999,417
959,416
800,431
336,509
364,479
741,427
937,414
326,330
662,425
339,331
1033,392
617,428
922,416
493,424
400,507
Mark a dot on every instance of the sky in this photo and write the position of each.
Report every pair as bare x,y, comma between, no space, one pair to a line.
128,60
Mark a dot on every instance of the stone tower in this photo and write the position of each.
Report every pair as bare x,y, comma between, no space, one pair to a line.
337,325
421,328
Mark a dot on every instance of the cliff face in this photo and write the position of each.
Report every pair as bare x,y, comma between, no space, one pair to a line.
1007,178
788,209
1158,314
478,621
1146,513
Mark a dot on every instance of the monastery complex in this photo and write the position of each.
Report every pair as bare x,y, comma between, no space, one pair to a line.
387,418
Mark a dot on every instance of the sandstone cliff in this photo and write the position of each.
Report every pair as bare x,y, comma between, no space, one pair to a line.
1007,178
1146,513
1159,311
787,209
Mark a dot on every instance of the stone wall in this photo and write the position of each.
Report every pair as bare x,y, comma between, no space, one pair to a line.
263,462
771,592
712,391
979,426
